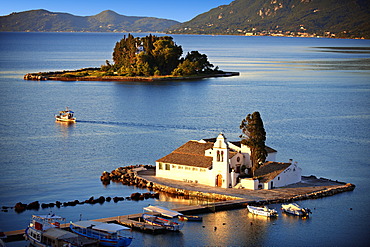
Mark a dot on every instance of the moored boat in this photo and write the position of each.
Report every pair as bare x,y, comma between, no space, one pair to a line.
162,222
190,218
44,231
65,116
2,236
107,234
163,211
169,213
264,211
295,209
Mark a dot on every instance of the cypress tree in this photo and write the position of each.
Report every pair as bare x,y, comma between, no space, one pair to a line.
254,136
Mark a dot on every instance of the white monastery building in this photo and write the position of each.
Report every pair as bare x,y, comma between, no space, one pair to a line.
217,162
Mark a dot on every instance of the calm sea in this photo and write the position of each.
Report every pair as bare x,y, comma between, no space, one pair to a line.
313,96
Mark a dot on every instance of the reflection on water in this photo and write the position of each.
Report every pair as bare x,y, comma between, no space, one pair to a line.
65,128
340,64
232,228
357,50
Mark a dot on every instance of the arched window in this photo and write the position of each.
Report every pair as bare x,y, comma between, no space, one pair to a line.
218,155
222,156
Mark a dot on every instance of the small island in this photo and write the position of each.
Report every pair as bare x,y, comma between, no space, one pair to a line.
150,58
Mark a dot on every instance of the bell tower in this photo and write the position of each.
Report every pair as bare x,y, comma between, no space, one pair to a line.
220,163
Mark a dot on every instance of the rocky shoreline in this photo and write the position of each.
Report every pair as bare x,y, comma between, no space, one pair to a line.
58,76
36,205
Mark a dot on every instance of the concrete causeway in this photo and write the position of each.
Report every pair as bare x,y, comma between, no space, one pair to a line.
310,187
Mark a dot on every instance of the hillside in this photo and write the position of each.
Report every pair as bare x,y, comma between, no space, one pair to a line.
349,19
106,21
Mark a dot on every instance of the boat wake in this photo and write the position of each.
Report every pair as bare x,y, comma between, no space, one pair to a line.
152,126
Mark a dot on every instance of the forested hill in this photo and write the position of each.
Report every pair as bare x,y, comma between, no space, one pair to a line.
107,21
346,18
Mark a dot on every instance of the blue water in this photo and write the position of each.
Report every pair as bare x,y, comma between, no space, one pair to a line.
314,101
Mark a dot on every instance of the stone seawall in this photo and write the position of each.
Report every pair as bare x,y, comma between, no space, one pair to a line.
144,177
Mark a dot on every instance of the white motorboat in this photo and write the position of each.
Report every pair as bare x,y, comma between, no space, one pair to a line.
295,209
264,211
65,116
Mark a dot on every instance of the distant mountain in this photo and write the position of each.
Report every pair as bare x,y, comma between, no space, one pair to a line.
107,21
346,18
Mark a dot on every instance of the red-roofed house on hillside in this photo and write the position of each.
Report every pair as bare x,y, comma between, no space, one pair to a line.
217,162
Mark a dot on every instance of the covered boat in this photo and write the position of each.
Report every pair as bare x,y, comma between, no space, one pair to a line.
163,211
162,222
107,234
65,116
44,231
171,213
295,209
264,211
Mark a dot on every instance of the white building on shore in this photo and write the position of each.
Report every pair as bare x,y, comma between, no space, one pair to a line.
217,162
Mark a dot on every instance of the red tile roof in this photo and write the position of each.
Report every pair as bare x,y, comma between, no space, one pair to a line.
269,170
191,153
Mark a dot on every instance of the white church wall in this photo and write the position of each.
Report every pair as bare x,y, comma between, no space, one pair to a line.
291,175
249,183
184,173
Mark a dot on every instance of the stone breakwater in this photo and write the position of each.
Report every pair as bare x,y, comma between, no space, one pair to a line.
36,205
311,188
127,176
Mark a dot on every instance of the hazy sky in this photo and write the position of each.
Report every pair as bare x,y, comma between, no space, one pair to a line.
179,10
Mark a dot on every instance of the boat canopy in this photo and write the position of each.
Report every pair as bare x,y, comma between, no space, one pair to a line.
48,216
110,227
86,223
101,226
163,211
56,233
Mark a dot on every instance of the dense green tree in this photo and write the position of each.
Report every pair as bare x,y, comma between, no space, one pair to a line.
201,61
185,68
254,136
194,63
166,54
152,55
